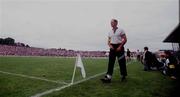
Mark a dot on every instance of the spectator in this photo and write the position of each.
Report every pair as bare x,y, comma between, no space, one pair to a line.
147,59
138,55
171,63
128,55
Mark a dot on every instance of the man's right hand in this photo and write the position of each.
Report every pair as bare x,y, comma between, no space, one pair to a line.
110,46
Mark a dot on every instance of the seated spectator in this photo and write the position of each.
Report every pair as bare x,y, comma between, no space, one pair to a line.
155,63
170,65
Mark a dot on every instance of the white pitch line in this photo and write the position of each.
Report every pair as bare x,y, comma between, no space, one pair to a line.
32,77
68,85
65,86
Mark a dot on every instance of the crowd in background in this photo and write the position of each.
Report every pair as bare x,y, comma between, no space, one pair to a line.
32,51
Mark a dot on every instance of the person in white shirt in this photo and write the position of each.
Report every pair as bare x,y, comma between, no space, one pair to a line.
138,55
116,41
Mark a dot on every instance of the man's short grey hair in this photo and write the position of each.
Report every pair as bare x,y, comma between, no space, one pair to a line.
115,20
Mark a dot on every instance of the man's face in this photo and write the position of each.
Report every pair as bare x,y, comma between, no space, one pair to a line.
113,23
166,55
145,50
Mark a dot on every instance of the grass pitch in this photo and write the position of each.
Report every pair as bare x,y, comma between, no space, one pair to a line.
139,83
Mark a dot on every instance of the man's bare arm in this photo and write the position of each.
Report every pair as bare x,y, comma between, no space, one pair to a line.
109,43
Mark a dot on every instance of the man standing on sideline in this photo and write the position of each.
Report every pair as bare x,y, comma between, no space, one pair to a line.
116,40
147,56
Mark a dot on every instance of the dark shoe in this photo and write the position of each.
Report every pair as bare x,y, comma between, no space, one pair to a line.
123,78
106,80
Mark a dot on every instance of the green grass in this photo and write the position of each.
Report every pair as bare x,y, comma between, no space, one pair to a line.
52,68
12,86
139,83
59,69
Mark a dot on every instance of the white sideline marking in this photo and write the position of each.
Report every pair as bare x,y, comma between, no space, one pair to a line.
68,85
65,86
32,77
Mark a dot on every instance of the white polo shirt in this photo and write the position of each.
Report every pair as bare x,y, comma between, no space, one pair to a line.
117,36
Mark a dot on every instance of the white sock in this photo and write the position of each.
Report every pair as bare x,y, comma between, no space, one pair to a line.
109,76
